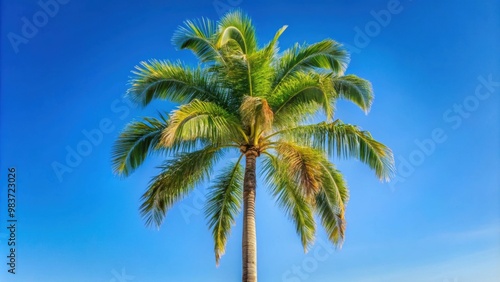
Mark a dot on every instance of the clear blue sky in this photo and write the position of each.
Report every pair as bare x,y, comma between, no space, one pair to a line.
429,65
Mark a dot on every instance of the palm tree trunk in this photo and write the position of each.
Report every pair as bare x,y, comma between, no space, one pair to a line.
249,235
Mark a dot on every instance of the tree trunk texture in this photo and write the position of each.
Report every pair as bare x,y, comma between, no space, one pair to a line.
249,233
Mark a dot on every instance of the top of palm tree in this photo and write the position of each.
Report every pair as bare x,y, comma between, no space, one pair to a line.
251,98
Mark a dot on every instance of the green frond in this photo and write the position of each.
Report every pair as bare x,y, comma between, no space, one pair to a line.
303,166
225,198
202,120
236,27
199,37
299,97
262,73
345,140
177,178
271,48
289,197
334,185
233,77
174,82
236,37
261,67
355,89
327,55
331,202
136,141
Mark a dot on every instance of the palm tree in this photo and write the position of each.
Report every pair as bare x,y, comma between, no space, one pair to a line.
259,103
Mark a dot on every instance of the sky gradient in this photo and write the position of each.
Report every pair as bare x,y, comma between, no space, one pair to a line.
435,71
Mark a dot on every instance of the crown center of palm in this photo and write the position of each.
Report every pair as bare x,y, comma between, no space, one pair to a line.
249,149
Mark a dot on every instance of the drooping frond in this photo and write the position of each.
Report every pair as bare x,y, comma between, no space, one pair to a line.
177,178
199,37
236,27
289,197
135,142
355,89
303,166
300,96
326,54
345,140
331,202
224,203
174,82
202,120
247,69
246,75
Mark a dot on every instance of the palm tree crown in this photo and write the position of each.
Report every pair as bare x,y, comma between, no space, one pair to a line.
259,102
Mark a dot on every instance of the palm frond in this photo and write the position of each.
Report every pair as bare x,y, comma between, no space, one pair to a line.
271,48
234,76
326,54
174,82
261,69
303,166
177,178
289,197
135,142
236,27
262,73
300,96
331,202
355,89
202,120
225,198
236,38
199,37
345,140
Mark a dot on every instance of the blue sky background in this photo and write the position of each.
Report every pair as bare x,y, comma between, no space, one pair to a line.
438,221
